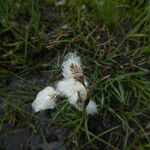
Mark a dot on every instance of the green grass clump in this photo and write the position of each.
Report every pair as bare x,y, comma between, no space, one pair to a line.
112,38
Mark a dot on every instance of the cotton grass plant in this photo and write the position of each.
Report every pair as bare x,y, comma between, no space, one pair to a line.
73,86
34,33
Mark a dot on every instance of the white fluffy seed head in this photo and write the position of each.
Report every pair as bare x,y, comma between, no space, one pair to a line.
91,108
45,99
71,66
73,86
70,89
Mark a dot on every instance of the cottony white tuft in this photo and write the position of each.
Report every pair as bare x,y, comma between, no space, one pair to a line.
70,89
45,99
91,108
71,66
73,86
